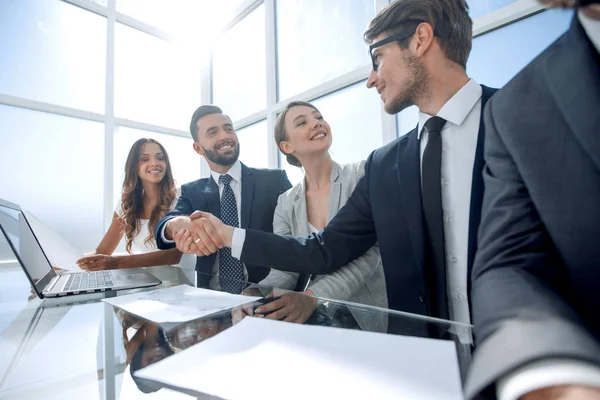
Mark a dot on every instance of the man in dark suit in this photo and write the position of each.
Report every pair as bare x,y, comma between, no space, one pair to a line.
246,197
536,278
421,194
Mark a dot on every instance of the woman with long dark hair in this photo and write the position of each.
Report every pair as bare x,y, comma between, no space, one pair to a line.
148,194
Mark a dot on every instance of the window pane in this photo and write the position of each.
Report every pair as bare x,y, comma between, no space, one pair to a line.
354,114
56,169
239,67
155,82
185,162
182,17
254,151
498,56
53,52
407,120
478,8
319,40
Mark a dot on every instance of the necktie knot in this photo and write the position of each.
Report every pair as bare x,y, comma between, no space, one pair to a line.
435,124
225,179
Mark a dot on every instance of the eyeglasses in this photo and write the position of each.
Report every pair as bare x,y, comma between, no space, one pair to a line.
392,38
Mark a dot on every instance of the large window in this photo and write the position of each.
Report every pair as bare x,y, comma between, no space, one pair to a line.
254,148
239,67
514,46
54,167
155,81
319,40
97,86
53,52
479,8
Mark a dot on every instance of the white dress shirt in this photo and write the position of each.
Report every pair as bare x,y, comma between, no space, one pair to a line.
236,186
462,113
553,372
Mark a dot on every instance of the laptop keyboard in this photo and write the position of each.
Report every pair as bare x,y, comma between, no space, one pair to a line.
89,281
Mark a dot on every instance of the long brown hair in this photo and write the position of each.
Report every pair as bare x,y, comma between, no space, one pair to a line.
132,205
281,134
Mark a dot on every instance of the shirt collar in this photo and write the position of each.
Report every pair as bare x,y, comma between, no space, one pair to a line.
591,28
235,172
457,108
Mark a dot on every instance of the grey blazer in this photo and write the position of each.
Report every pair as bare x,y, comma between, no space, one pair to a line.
360,281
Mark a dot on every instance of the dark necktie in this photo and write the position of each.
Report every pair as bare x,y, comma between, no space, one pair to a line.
432,210
231,270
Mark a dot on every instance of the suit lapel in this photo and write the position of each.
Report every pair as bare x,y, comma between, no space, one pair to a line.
409,177
577,94
335,192
477,187
300,213
211,194
247,196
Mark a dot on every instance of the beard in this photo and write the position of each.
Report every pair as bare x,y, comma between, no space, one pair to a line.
412,89
222,159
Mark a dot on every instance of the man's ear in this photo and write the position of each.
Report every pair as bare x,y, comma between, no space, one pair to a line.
198,149
423,38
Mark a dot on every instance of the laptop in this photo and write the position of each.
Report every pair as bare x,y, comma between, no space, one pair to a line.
45,281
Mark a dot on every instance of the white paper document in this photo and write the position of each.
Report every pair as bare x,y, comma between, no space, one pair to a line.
59,251
261,359
178,303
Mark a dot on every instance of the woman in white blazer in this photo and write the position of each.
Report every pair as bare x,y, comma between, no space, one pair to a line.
304,137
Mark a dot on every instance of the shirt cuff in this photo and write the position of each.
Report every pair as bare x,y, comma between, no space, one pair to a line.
237,242
162,234
546,373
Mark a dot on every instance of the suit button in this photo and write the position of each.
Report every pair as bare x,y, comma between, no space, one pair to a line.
422,298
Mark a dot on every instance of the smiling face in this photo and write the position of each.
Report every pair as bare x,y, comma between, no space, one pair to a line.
307,132
217,140
400,77
152,165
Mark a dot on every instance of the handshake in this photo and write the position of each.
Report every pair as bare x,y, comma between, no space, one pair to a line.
201,233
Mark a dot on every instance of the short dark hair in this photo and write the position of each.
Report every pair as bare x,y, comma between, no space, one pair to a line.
200,112
449,18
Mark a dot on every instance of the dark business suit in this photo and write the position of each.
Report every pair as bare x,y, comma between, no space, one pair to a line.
259,193
536,276
385,207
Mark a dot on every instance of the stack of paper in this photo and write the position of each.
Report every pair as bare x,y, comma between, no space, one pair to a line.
171,306
261,359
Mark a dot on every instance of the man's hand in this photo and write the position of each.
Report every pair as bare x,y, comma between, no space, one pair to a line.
97,262
184,241
564,392
290,307
222,232
194,235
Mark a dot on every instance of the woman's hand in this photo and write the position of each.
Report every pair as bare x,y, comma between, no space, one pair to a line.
290,307
97,262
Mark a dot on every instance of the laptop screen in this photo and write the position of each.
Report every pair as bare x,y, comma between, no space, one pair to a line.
25,245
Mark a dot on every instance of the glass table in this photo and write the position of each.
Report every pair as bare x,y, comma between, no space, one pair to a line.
90,349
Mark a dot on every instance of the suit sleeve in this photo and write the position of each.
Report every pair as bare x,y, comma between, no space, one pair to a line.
347,236
346,281
519,312
183,207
